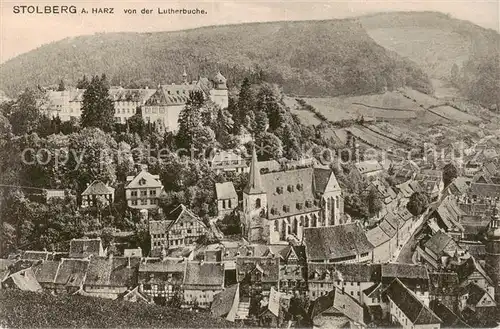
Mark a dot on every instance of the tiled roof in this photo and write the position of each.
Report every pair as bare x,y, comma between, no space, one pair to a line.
269,266
450,213
98,188
459,186
155,270
115,271
470,266
225,191
72,272
182,213
200,275
24,280
224,300
441,243
144,179
368,166
475,292
410,305
335,241
374,290
222,156
321,179
159,226
449,318
84,247
289,197
168,95
404,271
377,236
137,252
47,271
485,190
349,272
343,303
386,192
269,165
131,95
443,283
387,228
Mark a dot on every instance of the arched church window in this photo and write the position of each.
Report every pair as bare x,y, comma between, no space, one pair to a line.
257,203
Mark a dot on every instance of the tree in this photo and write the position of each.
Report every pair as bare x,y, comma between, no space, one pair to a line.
418,203
268,101
24,114
223,128
98,109
189,119
260,123
450,172
268,147
203,138
83,83
245,105
61,86
374,202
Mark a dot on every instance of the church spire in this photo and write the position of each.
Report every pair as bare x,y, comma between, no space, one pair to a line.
254,185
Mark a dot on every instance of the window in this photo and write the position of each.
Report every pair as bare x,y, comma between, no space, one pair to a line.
257,203
134,202
279,190
299,187
144,193
291,188
144,202
152,192
133,193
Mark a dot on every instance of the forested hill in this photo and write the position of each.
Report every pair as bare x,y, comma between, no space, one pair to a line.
435,41
307,58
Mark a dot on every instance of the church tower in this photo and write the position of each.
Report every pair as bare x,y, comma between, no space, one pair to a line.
492,266
254,201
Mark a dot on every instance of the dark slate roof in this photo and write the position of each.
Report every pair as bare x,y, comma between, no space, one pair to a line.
449,318
130,95
168,95
181,214
321,177
277,201
269,266
475,293
468,267
202,275
410,305
98,188
84,247
404,271
223,301
373,290
335,241
72,272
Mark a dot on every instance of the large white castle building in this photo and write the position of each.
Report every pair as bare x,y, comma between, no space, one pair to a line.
160,106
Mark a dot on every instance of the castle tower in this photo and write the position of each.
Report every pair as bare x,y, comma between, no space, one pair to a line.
218,94
492,258
254,201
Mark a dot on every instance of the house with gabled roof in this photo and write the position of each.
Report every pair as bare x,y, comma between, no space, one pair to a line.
406,309
46,274
109,277
439,251
227,198
471,271
24,280
228,161
160,279
450,318
337,244
181,228
70,275
337,310
97,194
257,274
226,302
143,190
369,168
85,247
202,281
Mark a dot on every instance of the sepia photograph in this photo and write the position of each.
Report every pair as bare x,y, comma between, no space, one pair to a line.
250,164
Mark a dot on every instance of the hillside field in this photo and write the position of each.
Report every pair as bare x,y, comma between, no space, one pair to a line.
19,309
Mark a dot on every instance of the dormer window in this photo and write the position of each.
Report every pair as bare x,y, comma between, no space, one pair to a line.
299,205
279,190
308,204
300,187
286,208
142,181
291,188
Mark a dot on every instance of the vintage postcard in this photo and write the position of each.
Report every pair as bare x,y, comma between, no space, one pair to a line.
250,163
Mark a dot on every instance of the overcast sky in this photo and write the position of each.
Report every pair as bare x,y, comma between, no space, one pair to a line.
21,33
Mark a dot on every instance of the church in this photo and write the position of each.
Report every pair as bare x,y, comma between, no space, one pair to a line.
277,206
